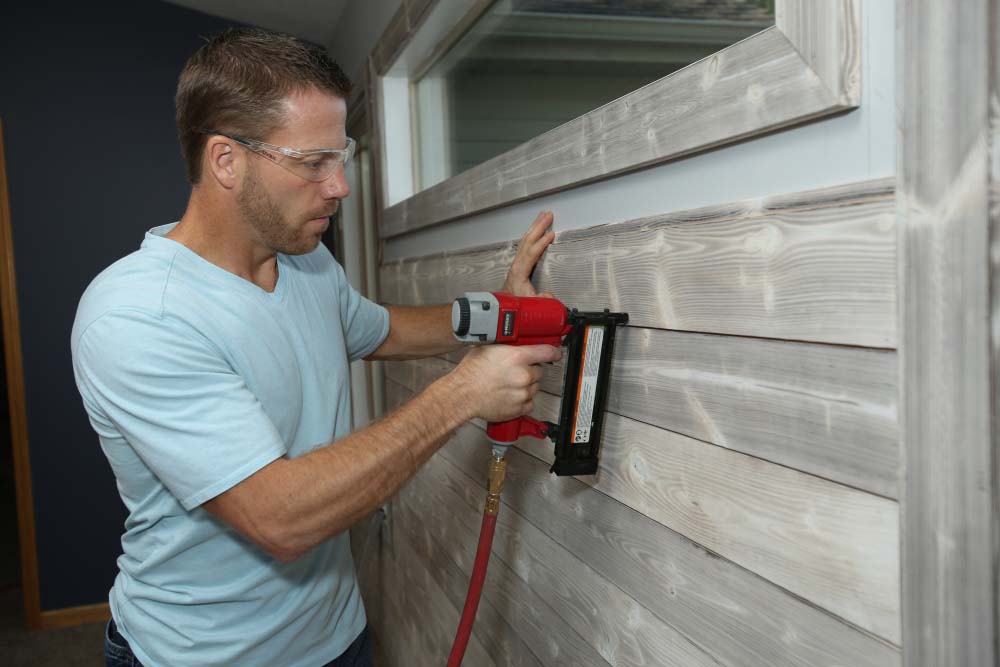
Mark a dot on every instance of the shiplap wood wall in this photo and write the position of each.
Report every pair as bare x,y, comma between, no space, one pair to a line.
745,509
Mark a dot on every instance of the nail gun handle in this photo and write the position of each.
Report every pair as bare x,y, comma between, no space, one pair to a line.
509,431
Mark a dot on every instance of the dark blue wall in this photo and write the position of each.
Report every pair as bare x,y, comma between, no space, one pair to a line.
86,98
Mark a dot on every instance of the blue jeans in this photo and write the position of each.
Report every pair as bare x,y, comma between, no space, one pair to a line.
117,652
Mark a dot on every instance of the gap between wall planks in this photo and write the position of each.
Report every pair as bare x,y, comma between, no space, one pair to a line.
528,616
814,266
760,84
835,546
17,407
826,410
739,616
436,618
600,614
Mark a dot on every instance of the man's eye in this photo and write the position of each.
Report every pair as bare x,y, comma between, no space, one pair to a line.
314,164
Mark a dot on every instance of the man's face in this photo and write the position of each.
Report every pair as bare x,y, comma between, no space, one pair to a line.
288,213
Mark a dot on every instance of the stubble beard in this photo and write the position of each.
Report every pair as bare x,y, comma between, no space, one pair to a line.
266,218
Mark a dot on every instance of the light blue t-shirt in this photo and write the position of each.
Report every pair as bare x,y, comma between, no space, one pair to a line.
195,379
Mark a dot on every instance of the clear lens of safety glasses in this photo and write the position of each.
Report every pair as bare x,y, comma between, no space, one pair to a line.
314,165
317,165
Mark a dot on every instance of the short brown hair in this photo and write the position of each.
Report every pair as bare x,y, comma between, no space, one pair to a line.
237,81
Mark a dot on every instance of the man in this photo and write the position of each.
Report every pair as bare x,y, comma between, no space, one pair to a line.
213,363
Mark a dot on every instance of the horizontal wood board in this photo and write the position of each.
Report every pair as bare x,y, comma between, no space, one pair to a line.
450,564
600,614
831,545
826,410
814,266
446,541
759,84
436,615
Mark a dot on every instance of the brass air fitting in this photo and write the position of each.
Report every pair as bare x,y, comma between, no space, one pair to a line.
498,471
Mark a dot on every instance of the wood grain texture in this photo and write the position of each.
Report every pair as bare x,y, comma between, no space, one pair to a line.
437,617
402,26
826,35
414,633
492,630
739,617
994,204
814,266
826,410
546,634
949,548
366,550
17,407
829,411
619,629
832,545
757,85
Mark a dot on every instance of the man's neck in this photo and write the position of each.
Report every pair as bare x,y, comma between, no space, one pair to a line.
223,238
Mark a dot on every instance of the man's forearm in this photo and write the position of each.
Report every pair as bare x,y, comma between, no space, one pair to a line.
291,506
416,332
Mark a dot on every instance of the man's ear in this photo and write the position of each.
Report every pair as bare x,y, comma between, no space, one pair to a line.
223,162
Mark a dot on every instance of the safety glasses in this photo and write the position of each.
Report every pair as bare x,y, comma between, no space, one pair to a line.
313,165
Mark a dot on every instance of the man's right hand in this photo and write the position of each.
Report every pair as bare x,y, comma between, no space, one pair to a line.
499,382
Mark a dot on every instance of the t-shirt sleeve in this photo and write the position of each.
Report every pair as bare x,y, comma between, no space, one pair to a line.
170,393
366,324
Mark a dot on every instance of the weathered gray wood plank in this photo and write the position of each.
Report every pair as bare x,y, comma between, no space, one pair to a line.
622,631
829,411
367,554
437,617
404,23
815,266
949,498
491,629
819,29
403,636
738,616
543,631
759,84
834,546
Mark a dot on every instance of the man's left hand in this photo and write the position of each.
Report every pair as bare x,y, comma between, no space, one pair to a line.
534,242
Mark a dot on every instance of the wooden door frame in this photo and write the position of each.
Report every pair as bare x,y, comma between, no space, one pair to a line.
11,321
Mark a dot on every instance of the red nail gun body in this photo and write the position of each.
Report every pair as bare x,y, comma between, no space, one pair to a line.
494,317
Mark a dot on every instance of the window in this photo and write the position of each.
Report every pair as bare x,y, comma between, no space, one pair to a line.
528,66
434,168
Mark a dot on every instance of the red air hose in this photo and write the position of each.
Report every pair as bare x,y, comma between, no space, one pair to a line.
498,467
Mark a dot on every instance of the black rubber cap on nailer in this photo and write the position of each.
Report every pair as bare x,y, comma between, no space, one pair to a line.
464,316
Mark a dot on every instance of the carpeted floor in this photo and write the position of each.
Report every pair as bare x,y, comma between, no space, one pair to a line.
80,646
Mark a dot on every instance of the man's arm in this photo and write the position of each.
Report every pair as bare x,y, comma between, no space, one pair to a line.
416,332
290,506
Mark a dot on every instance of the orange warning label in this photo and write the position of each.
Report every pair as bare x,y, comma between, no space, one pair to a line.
586,390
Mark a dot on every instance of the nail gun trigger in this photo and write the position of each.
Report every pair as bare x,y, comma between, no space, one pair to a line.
552,431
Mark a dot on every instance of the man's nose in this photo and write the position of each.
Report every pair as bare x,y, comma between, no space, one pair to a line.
336,186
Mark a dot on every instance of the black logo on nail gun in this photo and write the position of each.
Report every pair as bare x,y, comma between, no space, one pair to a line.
508,323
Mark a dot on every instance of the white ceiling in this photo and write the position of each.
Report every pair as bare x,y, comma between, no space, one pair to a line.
314,20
